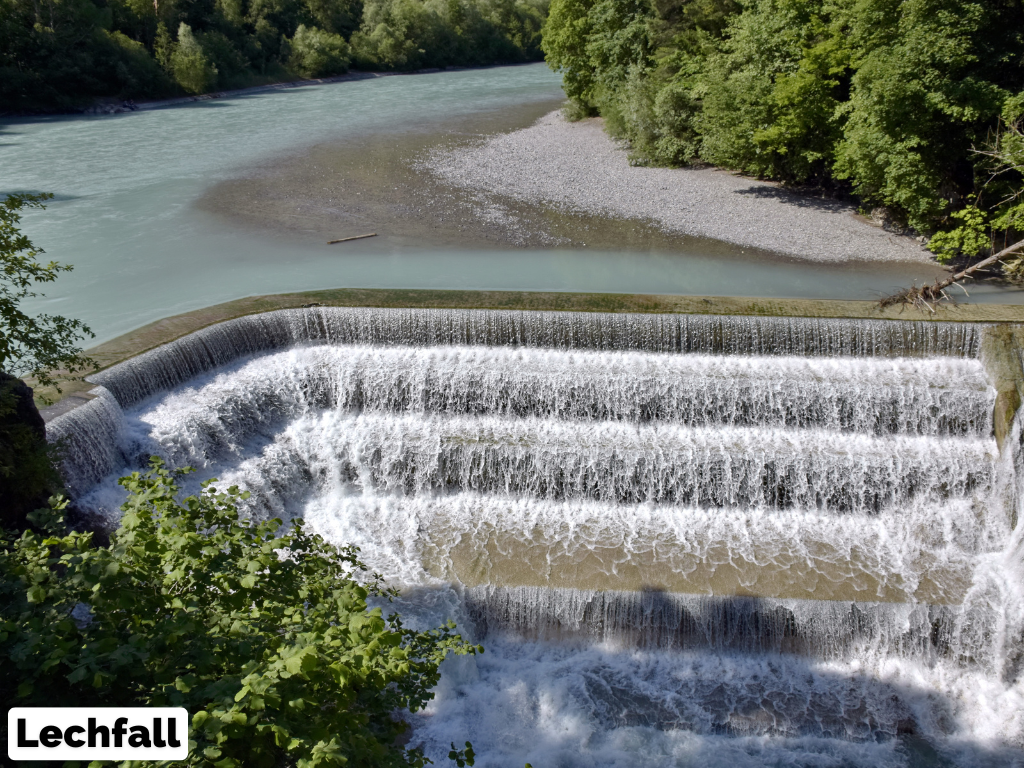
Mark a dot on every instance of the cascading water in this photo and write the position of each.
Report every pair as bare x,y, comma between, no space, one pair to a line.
683,540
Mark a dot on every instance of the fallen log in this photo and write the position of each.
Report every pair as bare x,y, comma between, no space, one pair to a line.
926,295
346,239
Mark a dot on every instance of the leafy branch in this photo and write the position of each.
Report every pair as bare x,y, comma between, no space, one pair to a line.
33,346
981,228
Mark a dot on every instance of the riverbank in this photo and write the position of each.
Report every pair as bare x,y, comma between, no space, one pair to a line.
389,183
578,168
116,106
112,106
163,331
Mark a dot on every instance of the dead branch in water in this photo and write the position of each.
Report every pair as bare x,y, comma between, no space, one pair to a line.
927,296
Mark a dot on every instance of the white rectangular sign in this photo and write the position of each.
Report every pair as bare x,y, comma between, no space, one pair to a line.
97,733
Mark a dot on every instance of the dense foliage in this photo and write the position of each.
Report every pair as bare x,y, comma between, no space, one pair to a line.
59,54
263,634
887,99
993,219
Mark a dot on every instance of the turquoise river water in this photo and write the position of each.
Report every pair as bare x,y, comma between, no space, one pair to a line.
127,217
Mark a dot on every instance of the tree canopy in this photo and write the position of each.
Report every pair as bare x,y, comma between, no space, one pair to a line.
63,54
38,345
888,100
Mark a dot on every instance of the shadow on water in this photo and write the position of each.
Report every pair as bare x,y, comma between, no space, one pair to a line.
8,132
736,667
654,618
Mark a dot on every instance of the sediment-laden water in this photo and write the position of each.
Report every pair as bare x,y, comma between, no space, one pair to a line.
682,540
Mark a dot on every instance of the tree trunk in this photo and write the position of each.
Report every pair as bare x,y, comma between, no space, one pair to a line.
937,291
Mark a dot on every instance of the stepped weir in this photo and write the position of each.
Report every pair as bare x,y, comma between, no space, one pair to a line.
683,540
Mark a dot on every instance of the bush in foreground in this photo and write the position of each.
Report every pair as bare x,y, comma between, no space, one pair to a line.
263,635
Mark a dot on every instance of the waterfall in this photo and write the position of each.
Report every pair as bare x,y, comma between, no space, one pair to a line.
654,618
181,360
683,539
89,440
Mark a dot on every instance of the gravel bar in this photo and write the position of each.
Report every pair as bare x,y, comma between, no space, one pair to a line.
576,167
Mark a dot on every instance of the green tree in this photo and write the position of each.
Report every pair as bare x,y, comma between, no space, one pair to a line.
566,33
229,65
393,35
773,90
34,346
340,17
882,98
192,68
30,346
315,53
930,81
261,632
662,107
1005,184
63,54
994,218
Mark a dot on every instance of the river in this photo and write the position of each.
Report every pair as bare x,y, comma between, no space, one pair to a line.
167,210
683,540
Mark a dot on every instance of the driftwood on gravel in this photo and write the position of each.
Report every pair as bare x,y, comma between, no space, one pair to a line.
926,296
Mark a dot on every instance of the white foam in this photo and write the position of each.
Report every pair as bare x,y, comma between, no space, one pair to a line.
514,466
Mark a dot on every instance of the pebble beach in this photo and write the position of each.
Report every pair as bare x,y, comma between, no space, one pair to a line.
577,167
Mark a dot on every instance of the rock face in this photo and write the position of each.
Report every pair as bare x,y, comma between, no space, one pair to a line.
27,476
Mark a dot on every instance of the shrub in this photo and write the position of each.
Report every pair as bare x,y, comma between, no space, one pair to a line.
262,634
315,53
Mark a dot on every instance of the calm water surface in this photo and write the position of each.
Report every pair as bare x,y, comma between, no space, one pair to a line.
126,212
